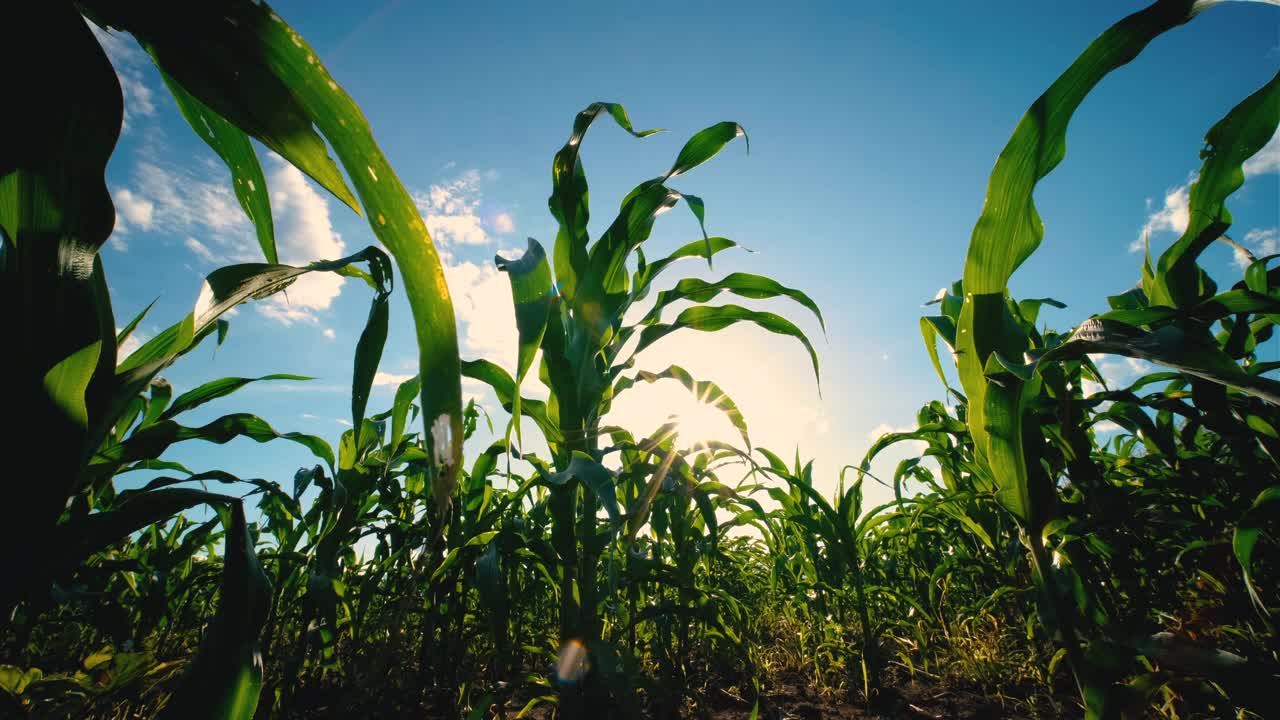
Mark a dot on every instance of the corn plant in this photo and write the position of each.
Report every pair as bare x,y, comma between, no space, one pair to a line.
236,71
571,307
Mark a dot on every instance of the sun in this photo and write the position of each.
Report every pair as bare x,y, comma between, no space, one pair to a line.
700,422
696,422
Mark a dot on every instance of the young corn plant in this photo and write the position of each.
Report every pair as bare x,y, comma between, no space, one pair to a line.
236,71
1007,370
572,306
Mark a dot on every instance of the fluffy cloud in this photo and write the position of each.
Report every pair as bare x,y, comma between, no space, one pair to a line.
504,224
1118,371
135,340
191,201
200,201
304,234
1267,160
482,303
386,378
1261,242
451,210
915,447
199,249
1173,216
329,334
133,208
481,294
129,62
1174,213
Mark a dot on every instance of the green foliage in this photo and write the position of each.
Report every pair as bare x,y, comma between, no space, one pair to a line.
1049,527
236,71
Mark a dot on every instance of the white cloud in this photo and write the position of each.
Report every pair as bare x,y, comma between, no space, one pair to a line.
917,447
482,303
1106,426
452,210
312,416
135,340
386,378
330,334
137,95
503,223
1118,371
199,249
200,201
129,61
1174,213
134,208
304,234
1171,216
184,202
1264,241
117,240
1266,160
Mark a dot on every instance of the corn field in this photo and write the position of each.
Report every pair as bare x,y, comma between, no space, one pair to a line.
1028,565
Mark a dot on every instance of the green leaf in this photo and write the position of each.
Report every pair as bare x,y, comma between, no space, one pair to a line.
225,679
532,294
1246,536
405,394
151,441
55,213
705,145
713,318
235,149
568,201
133,324
504,387
65,383
76,541
219,388
1030,309
14,680
223,56
593,475
223,289
1169,346
1009,229
930,328
1004,451
368,354
705,391
248,65
161,392
646,273
1228,144
755,287
606,268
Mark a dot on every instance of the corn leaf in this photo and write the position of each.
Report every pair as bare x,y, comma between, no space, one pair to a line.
532,294
1246,535
705,391
213,390
1228,144
713,318
225,679
233,146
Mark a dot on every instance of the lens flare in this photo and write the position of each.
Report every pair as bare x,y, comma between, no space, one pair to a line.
573,663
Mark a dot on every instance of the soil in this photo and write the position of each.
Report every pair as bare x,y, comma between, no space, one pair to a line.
918,701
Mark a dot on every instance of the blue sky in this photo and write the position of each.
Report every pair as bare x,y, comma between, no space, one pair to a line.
873,128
